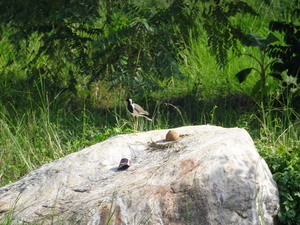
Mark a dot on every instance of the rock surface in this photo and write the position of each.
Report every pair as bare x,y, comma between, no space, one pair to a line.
210,175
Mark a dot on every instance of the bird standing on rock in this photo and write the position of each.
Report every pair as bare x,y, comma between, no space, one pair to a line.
136,111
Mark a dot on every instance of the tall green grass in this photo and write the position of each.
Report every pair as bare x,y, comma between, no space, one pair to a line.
48,130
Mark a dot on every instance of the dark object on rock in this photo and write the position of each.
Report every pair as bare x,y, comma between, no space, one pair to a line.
124,164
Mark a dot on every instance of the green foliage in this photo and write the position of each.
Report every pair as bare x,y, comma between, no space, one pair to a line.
127,44
107,133
222,33
59,25
279,144
122,42
252,40
242,75
143,50
284,164
289,54
262,45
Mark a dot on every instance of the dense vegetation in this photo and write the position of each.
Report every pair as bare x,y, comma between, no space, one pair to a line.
67,64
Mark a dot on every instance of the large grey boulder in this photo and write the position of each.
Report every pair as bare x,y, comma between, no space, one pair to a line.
210,175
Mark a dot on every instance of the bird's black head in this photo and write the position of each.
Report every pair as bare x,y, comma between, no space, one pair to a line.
127,99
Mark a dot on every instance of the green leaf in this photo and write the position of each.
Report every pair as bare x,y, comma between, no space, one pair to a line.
276,75
289,197
253,40
271,38
145,22
277,176
242,75
291,213
256,88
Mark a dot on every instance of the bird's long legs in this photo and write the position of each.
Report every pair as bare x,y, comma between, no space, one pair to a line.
136,124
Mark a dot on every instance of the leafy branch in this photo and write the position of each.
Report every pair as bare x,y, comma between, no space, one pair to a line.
222,34
252,40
